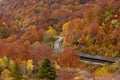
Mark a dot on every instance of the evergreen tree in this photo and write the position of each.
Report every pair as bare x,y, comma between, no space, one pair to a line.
46,71
16,73
4,32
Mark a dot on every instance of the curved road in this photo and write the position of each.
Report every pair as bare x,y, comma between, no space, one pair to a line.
58,44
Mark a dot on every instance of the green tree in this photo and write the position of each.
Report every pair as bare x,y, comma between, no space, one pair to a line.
4,32
16,73
46,71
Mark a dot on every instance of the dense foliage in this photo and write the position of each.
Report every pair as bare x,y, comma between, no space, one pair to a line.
29,29
46,71
98,32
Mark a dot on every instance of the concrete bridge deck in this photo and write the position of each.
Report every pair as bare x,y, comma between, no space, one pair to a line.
97,58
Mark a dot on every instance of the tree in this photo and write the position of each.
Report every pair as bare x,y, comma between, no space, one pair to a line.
5,60
66,73
101,71
17,51
5,74
69,58
50,36
65,27
4,32
16,73
40,51
11,39
1,65
30,66
33,35
46,71
115,36
92,29
11,65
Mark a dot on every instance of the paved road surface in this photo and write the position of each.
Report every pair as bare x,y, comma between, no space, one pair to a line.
58,44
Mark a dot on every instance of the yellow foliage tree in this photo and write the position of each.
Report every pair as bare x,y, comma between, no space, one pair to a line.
51,36
51,31
5,60
101,71
30,66
5,74
11,65
1,63
65,27
27,43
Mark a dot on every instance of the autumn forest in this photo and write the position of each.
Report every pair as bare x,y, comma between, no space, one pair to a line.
44,39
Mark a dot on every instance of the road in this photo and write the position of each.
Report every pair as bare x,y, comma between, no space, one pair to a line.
58,44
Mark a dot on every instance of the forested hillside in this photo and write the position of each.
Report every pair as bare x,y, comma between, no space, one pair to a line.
29,29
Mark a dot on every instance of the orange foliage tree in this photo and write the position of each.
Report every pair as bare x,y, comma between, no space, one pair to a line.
33,35
68,58
66,73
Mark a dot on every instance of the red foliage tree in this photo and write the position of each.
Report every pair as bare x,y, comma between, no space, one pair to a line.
115,35
3,48
40,51
33,35
17,51
92,29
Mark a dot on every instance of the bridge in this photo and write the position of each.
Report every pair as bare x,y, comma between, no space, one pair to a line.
97,59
